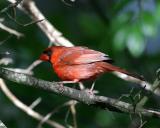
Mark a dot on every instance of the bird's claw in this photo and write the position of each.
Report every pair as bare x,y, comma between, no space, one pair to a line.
92,92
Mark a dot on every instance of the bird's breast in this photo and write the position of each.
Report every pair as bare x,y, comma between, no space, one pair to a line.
78,72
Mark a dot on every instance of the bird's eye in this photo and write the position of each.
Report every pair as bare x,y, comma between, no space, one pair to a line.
48,52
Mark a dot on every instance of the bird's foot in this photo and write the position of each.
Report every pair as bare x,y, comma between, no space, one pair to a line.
92,92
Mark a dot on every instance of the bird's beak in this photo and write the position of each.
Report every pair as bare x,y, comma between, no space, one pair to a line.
44,57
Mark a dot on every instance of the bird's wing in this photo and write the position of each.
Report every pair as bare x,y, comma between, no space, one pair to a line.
82,55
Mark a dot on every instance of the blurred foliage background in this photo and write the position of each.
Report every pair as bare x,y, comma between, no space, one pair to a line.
127,30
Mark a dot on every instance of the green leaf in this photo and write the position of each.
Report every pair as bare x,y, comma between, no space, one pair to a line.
148,24
135,43
119,39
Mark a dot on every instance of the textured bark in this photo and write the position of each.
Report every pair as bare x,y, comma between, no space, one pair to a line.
81,96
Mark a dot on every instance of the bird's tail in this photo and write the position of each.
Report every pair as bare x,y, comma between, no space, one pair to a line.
110,67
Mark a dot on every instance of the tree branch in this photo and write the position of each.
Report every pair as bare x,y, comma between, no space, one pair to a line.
29,7
2,125
49,30
25,108
81,96
11,31
143,84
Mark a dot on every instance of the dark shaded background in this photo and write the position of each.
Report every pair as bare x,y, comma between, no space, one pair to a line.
126,30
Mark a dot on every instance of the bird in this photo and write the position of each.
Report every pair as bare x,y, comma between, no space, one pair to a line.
78,64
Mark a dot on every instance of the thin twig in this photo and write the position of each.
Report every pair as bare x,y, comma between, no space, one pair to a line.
11,31
68,103
24,107
29,69
21,24
35,103
12,5
49,30
134,80
33,65
73,111
155,85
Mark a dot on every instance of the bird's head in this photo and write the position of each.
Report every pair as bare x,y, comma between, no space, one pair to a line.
50,54
46,55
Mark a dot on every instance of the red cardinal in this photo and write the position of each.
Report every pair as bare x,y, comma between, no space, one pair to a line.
76,64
